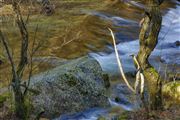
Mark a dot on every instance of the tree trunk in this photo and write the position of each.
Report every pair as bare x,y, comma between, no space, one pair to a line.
20,107
148,41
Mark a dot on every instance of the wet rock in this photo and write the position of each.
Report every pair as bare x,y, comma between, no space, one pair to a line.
177,43
123,97
69,88
171,91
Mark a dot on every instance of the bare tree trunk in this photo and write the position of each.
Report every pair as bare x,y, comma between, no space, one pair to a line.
148,41
17,73
20,106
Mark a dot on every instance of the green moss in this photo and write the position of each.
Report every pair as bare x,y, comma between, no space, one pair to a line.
70,80
11,107
101,118
2,57
171,91
28,106
34,92
3,98
123,116
152,71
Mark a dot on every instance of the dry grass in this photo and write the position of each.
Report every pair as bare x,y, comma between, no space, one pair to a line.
6,10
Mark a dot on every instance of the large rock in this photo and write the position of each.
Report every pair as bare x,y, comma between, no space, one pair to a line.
171,91
75,86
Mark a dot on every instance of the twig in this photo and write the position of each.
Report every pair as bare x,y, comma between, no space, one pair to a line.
9,56
24,34
33,51
119,62
137,80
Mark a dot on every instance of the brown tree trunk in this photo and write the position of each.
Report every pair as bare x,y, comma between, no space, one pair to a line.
148,41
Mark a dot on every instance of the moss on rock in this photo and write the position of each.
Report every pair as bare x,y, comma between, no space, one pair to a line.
69,88
171,91
3,98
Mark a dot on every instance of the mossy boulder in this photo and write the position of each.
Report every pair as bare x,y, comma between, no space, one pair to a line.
69,88
171,91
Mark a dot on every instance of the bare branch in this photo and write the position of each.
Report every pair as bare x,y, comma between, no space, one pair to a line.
142,83
9,55
137,80
33,51
24,35
119,62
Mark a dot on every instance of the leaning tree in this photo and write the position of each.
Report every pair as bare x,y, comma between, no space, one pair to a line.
148,39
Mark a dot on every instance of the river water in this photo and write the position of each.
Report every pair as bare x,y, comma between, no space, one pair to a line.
166,55
166,52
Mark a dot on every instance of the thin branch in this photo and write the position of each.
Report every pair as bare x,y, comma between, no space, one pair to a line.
136,61
142,83
24,34
9,55
33,51
138,79
119,62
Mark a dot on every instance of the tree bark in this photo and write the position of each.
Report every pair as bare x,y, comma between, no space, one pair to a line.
20,107
148,40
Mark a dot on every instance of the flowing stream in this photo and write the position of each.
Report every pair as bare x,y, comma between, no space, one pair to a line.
166,54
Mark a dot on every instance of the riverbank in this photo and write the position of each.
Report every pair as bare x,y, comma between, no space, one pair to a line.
80,88
79,28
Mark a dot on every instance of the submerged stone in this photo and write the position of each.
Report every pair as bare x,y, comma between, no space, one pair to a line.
177,43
